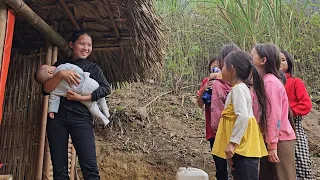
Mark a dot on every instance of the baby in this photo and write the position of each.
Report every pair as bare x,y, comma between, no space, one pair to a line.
86,87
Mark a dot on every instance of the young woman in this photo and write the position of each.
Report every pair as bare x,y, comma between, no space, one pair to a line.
279,136
300,105
239,138
73,117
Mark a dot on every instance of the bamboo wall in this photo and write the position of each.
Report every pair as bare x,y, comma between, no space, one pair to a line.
19,131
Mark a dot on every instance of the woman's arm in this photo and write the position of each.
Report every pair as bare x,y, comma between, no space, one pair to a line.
68,75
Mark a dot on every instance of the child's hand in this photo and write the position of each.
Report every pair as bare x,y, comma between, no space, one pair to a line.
208,85
51,115
230,150
215,76
273,156
230,163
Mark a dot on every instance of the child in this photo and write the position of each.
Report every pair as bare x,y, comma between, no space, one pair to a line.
279,136
300,105
87,86
239,138
206,84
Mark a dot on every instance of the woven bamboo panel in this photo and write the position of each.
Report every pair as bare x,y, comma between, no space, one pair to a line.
19,131
71,167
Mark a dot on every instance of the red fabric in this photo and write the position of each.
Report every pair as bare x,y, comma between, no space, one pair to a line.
298,96
204,81
207,113
6,57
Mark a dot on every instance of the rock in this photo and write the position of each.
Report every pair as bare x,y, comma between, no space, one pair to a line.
173,135
143,112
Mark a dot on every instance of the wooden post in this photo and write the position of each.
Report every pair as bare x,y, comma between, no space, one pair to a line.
43,155
3,25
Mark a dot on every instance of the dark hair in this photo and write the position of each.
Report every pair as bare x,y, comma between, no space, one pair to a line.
290,70
242,62
76,34
212,60
283,78
225,50
272,54
290,62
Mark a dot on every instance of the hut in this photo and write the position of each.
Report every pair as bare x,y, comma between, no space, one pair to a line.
127,45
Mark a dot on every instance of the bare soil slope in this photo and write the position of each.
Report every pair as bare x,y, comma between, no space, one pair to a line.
153,142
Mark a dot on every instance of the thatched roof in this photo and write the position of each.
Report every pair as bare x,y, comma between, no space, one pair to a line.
126,34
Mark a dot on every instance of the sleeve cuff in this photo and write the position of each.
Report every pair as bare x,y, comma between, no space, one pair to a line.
53,108
272,146
235,140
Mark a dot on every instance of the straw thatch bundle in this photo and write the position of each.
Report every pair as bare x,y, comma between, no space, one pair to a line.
127,36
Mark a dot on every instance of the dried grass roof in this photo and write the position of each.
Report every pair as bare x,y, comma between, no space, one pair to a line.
127,36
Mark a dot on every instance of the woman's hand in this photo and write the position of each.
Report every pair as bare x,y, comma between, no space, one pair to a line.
77,97
273,156
73,96
70,76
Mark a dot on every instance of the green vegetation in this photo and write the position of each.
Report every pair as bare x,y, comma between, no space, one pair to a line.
196,29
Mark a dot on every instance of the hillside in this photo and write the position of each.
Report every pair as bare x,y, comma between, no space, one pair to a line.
152,142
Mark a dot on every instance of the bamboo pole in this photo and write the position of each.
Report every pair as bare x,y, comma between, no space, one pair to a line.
42,165
46,162
24,11
3,25
73,164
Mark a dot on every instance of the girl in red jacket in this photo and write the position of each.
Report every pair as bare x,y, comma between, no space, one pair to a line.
300,105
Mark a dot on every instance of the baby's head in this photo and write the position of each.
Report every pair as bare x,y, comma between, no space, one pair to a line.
44,73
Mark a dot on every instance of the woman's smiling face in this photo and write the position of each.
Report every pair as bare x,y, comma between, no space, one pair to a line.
82,47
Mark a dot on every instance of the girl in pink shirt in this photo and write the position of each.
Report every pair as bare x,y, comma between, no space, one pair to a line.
280,136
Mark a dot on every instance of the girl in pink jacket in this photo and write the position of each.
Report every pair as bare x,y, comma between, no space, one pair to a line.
280,136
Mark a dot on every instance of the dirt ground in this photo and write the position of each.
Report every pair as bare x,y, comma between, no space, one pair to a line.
153,142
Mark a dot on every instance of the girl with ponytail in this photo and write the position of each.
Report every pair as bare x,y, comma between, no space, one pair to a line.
239,137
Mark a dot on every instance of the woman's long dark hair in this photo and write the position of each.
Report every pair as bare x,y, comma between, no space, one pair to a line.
284,81
242,62
290,62
272,54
